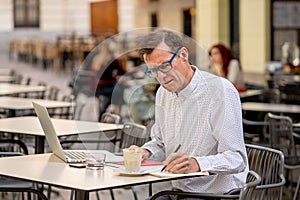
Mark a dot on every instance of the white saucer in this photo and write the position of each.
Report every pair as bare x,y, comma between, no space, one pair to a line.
122,172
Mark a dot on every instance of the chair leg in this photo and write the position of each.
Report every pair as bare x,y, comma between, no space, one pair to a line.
112,194
97,196
134,192
49,192
297,188
150,189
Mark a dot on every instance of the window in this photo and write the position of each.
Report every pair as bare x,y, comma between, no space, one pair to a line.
26,13
234,27
285,25
187,22
154,22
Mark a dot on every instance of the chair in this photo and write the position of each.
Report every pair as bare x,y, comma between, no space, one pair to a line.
133,134
53,93
282,137
255,131
268,163
72,112
111,136
253,179
41,95
10,147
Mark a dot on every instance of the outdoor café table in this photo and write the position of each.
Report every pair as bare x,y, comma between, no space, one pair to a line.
271,107
31,126
250,94
13,89
49,169
7,79
13,104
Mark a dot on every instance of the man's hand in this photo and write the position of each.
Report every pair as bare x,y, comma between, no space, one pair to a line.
146,153
180,163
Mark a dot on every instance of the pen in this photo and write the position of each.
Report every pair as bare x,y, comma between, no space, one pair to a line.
177,148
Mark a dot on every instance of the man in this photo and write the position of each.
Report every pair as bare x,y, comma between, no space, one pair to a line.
198,110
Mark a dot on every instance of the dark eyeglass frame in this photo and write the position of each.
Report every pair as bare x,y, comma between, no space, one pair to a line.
159,67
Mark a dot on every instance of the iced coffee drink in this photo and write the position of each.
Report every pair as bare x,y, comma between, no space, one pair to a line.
132,159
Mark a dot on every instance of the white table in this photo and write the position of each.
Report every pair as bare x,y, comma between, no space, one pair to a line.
64,127
11,89
48,169
7,79
271,107
13,104
250,94
5,71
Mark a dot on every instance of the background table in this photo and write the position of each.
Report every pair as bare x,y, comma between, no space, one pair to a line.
271,107
31,126
11,89
13,104
7,78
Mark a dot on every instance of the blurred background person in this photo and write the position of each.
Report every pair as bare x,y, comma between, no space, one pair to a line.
225,64
108,70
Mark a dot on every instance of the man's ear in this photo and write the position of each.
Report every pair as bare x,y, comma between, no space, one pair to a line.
184,53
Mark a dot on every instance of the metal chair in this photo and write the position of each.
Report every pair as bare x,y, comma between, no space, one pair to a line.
53,93
255,131
133,134
268,163
282,137
111,136
253,179
10,147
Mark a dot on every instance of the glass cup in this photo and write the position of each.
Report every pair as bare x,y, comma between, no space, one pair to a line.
95,160
132,160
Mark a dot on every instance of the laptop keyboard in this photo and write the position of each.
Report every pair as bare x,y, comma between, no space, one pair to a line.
75,156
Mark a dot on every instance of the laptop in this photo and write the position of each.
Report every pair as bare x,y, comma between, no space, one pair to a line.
69,156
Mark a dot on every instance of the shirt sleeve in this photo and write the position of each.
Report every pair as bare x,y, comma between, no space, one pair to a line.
156,145
227,129
233,71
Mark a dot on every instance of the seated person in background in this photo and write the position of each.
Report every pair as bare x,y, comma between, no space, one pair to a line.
198,110
108,69
225,64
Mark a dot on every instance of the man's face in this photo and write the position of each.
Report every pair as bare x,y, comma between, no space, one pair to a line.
173,80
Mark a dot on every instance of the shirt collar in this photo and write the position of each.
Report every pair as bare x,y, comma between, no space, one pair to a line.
187,91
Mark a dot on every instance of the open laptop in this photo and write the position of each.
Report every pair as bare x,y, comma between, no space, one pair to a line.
69,156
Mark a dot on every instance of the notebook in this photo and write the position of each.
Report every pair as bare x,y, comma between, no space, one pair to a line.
69,156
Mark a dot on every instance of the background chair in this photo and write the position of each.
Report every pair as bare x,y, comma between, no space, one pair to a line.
112,136
255,131
268,163
9,147
282,137
133,134
253,179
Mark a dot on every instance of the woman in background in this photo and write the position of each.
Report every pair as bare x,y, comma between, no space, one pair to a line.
225,64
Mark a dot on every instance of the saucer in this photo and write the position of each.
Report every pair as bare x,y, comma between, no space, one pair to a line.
122,172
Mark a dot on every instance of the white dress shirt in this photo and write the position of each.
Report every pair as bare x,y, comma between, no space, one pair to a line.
206,119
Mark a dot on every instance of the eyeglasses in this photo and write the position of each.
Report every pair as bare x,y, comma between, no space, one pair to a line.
164,67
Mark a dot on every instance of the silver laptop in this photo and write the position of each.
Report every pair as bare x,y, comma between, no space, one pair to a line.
69,156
